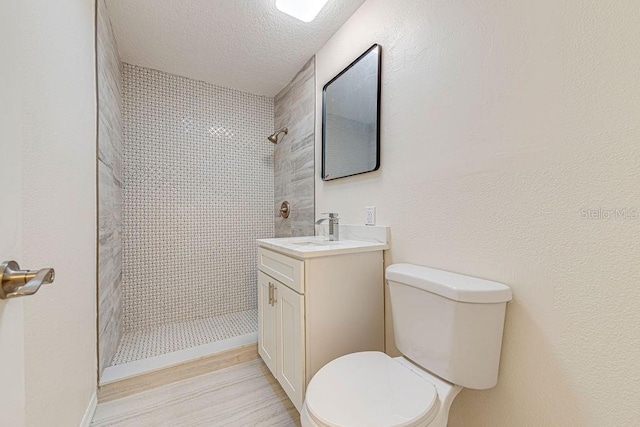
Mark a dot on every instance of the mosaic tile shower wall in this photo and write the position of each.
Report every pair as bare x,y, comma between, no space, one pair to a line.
198,191
109,190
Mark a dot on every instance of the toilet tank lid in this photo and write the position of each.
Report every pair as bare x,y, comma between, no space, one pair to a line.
457,287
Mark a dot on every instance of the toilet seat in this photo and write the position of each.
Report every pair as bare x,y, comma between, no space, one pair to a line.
370,389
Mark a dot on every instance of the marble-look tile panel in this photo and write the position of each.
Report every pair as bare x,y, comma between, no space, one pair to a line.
294,154
109,190
302,161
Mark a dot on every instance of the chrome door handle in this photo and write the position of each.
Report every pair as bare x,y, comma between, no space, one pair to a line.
18,283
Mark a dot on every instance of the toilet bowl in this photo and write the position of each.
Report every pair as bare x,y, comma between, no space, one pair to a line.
371,389
448,328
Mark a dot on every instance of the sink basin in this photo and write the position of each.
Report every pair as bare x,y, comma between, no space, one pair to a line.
356,238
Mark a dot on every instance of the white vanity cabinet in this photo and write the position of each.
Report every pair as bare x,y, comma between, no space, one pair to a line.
281,334
316,305
267,321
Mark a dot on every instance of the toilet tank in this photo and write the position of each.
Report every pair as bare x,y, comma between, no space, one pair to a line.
448,323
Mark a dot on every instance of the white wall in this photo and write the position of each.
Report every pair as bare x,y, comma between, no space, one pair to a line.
58,121
501,121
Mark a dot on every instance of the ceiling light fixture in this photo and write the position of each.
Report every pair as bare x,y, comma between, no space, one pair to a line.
304,10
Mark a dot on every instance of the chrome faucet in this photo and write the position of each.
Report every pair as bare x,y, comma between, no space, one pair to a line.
334,225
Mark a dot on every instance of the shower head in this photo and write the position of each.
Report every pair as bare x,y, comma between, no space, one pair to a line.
274,137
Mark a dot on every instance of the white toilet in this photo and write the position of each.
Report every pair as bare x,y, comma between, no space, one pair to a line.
449,329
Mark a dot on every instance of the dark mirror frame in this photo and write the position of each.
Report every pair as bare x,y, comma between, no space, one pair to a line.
324,112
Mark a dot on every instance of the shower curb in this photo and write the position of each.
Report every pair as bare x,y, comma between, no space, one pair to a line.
189,369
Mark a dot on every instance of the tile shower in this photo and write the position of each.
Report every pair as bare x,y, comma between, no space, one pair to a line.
186,186
198,192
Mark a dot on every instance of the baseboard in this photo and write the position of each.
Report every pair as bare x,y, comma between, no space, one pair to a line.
91,409
157,378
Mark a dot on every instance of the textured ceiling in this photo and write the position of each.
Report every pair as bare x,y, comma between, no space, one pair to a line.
243,44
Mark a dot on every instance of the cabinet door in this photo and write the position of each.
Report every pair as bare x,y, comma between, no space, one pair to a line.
267,332
290,353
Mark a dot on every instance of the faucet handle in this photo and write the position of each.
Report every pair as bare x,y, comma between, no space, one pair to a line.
334,227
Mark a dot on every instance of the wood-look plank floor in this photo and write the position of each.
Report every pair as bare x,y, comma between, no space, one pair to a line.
242,395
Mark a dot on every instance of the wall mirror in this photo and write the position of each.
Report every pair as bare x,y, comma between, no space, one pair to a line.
351,118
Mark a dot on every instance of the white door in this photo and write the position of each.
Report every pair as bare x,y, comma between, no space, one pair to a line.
12,399
48,209
266,322
290,353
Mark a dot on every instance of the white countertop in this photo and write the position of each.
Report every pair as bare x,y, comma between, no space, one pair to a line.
318,246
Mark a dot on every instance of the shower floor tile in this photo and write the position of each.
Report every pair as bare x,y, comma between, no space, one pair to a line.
138,345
